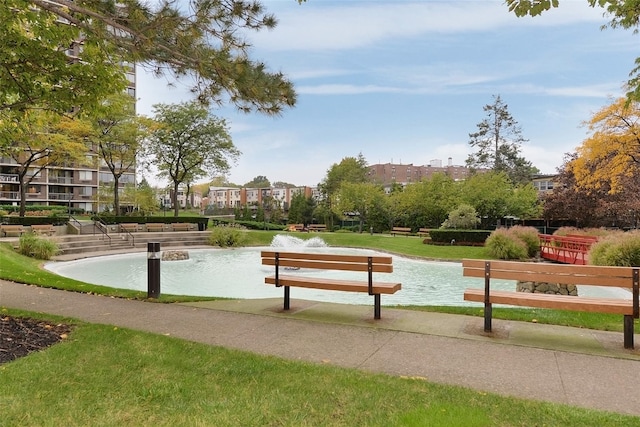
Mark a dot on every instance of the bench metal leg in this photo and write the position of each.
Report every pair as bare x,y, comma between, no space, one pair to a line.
488,311
376,306
628,331
286,298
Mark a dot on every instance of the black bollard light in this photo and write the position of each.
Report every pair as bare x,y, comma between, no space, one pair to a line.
153,270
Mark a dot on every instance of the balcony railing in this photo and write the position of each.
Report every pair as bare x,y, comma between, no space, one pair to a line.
60,196
60,180
5,177
11,195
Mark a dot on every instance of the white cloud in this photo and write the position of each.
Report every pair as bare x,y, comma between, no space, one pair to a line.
320,25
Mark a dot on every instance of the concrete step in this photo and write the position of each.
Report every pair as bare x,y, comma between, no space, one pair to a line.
74,244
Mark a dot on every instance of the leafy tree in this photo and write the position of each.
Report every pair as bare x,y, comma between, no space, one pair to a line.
259,214
40,138
624,14
489,194
118,135
259,181
610,156
425,204
497,143
202,40
144,198
592,207
36,71
363,198
301,209
350,169
189,144
282,184
524,202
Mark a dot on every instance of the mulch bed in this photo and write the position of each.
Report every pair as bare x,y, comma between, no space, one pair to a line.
21,336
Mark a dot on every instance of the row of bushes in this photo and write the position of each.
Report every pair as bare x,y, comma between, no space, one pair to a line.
31,220
460,236
113,219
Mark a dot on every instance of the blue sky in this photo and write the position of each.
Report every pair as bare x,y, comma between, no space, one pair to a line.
406,82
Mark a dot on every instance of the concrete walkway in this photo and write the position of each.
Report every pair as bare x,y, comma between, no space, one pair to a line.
572,366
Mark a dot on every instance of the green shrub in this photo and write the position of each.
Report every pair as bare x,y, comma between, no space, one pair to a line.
529,235
465,217
503,244
226,237
593,232
621,250
37,247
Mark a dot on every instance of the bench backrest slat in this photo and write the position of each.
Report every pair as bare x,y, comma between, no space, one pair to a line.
380,264
552,273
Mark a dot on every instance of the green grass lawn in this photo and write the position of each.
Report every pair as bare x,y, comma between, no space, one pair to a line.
108,376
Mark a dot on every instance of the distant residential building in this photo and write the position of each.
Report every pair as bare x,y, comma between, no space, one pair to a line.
232,197
544,183
394,173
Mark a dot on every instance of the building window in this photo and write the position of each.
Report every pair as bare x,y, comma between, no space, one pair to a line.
86,176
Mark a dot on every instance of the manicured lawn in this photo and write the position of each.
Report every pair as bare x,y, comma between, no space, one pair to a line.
109,376
102,375
401,245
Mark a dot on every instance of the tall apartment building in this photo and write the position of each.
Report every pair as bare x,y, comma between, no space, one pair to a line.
72,186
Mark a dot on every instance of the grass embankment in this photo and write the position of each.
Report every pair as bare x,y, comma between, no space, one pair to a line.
103,375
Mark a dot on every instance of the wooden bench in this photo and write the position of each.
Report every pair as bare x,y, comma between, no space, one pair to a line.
289,261
154,226
181,226
583,275
46,229
15,229
423,232
317,227
128,227
296,227
401,230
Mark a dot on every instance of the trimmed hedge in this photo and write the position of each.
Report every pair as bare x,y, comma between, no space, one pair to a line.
112,219
31,220
460,236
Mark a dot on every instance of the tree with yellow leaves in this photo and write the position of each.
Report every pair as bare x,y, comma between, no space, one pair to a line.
37,139
610,156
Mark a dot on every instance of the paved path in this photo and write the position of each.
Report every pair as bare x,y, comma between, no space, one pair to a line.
565,365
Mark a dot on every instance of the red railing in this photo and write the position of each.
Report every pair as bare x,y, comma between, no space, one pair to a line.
566,249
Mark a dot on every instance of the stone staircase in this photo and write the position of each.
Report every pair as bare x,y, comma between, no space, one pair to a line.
86,243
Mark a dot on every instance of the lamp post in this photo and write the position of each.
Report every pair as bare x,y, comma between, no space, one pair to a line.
153,270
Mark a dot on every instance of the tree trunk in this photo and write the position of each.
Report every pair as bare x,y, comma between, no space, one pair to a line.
176,207
116,196
23,195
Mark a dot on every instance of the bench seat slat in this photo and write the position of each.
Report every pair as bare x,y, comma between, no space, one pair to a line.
558,302
332,284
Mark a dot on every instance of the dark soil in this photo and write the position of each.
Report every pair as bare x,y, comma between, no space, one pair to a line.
21,336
